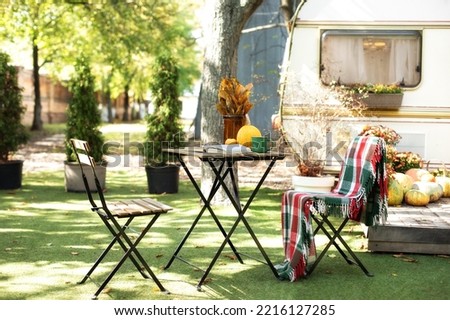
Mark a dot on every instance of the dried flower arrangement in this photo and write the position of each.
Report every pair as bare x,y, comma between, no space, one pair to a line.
234,98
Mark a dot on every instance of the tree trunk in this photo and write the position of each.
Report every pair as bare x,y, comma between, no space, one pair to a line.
106,88
37,114
126,103
222,35
287,10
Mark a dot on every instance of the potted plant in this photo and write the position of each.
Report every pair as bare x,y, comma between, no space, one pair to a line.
379,95
234,105
315,124
164,128
83,121
391,138
12,133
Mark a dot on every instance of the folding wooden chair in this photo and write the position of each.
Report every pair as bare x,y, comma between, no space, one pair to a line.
111,213
360,195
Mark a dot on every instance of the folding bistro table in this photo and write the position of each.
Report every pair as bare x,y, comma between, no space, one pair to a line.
222,164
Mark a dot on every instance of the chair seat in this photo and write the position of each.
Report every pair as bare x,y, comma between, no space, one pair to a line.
137,207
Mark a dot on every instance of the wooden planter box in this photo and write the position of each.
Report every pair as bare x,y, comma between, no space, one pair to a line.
384,100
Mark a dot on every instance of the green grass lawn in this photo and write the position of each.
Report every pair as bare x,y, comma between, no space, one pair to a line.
49,238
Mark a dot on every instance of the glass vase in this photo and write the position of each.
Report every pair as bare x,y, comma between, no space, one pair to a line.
231,125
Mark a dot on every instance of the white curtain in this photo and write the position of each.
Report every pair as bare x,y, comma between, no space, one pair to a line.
353,59
344,60
404,60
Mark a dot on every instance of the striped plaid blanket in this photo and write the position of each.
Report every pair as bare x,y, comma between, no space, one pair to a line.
360,195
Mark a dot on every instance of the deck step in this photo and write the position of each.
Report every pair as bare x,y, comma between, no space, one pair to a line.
424,230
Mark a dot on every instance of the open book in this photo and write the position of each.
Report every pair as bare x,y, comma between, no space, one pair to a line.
226,148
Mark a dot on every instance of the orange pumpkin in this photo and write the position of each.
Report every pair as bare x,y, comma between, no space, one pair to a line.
420,174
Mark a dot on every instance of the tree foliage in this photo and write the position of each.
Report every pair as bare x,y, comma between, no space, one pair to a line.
12,133
43,26
121,38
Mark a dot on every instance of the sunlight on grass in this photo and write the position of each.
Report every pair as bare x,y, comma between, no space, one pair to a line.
50,238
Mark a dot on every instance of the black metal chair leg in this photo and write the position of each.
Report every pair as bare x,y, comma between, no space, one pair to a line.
127,254
332,238
116,238
332,241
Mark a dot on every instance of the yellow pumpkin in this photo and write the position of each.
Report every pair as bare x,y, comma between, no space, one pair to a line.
395,193
405,181
231,141
417,198
245,134
444,182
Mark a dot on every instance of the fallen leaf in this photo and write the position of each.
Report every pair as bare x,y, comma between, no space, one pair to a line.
159,255
74,253
230,256
107,290
404,258
408,259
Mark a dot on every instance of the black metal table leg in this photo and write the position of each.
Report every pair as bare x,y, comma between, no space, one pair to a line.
240,217
206,205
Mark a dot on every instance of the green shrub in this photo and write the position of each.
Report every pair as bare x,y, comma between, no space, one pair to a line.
13,133
163,125
83,115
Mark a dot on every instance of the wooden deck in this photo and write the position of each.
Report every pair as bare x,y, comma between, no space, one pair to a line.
424,230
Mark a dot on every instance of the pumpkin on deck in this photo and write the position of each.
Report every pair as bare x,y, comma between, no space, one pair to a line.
245,134
432,189
395,193
417,198
420,174
444,182
405,181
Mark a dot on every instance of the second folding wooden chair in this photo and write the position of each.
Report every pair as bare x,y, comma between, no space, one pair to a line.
360,195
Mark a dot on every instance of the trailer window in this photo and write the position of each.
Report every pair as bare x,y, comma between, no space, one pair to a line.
361,56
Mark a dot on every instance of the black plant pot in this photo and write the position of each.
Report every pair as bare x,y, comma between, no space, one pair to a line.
163,179
11,175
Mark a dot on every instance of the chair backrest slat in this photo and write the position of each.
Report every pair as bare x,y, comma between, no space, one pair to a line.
82,152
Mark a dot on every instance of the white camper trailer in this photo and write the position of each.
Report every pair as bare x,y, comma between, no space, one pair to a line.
382,41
